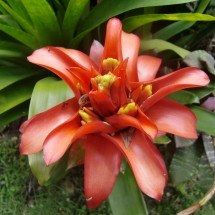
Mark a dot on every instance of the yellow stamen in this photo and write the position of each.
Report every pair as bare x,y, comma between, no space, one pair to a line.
129,109
109,64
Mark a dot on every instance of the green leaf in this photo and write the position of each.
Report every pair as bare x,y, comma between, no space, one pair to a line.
14,114
177,27
162,45
203,91
184,97
110,8
162,140
131,23
16,94
44,21
47,93
72,16
126,198
205,119
184,161
20,35
10,75
23,22
200,59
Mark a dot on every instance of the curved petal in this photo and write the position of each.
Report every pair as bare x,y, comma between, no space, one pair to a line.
173,117
112,47
55,60
59,140
102,165
37,129
130,50
96,52
146,163
181,79
142,123
79,58
147,67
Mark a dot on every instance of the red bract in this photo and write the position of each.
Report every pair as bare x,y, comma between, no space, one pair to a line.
117,111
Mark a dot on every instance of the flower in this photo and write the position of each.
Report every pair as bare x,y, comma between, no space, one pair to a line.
118,109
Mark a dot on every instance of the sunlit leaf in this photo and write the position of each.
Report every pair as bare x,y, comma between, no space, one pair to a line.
133,22
110,8
162,140
48,93
162,45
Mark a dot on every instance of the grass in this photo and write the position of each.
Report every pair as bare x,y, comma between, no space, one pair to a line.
20,193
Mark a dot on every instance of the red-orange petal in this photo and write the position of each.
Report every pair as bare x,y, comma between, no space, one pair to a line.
173,117
146,163
142,123
189,77
130,50
147,67
112,47
59,140
56,61
37,129
102,165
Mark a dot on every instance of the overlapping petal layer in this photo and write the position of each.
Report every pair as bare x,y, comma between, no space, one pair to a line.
102,165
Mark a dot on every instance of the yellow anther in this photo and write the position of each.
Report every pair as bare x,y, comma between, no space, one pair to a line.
109,64
105,81
87,115
129,109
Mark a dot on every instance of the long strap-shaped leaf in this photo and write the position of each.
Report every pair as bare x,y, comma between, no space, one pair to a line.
126,198
134,22
44,20
110,8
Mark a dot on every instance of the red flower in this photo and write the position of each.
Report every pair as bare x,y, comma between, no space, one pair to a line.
117,111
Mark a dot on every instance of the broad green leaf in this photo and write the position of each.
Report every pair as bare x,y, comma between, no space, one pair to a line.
10,75
14,114
126,198
16,94
72,16
184,163
23,22
133,22
177,27
200,59
203,91
184,97
162,45
206,175
20,35
44,21
111,8
205,119
47,93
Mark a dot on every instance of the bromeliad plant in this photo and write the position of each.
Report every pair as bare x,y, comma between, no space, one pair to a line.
118,110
